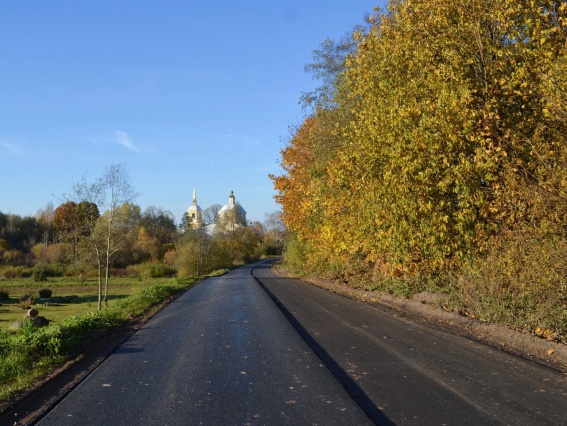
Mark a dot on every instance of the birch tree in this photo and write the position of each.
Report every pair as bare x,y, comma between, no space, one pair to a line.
118,192
112,193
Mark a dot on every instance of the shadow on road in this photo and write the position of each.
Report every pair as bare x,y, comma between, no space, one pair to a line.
357,394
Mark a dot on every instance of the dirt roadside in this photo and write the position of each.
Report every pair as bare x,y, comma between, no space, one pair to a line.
32,404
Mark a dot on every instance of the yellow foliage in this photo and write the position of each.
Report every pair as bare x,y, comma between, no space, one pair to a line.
449,126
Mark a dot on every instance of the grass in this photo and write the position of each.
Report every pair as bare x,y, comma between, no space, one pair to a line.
32,353
69,298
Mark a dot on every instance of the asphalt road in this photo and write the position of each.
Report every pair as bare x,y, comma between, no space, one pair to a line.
221,354
224,354
413,374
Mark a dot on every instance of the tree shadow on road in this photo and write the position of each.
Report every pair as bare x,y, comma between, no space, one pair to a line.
354,390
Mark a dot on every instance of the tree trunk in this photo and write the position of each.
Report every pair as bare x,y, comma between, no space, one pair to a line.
107,262
99,284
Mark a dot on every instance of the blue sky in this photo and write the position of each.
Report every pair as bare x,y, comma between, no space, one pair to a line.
183,92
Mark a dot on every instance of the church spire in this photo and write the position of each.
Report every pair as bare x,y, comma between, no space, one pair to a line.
194,212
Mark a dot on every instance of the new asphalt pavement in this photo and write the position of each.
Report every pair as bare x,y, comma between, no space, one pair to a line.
253,348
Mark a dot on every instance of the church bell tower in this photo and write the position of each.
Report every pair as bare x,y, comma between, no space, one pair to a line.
195,212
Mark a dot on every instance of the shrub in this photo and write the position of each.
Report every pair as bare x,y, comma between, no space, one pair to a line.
295,255
4,296
42,271
10,272
166,248
271,250
45,293
521,282
123,272
159,270
76,270
152,270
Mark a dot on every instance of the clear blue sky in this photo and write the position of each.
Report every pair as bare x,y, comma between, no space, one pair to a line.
183,92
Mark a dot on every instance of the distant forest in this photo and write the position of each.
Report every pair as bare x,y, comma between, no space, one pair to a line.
59,237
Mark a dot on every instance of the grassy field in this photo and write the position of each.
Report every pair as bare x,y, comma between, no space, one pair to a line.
70,296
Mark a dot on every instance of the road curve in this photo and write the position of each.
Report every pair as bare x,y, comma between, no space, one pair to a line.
221,354
414,375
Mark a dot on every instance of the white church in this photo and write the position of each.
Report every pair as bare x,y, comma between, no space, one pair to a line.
230,217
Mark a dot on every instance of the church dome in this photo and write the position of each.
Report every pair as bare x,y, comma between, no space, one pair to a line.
231,206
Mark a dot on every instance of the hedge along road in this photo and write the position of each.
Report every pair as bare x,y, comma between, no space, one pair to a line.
221,354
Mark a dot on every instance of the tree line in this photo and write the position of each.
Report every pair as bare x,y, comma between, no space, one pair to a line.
98,230
433,157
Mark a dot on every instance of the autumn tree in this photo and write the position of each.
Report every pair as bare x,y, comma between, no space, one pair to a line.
146,246
329,62
198,253
303,189
65,222
237,245
160,224
449,120
444,129
73,223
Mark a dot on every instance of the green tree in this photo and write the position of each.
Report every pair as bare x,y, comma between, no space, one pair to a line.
198,254
185,223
